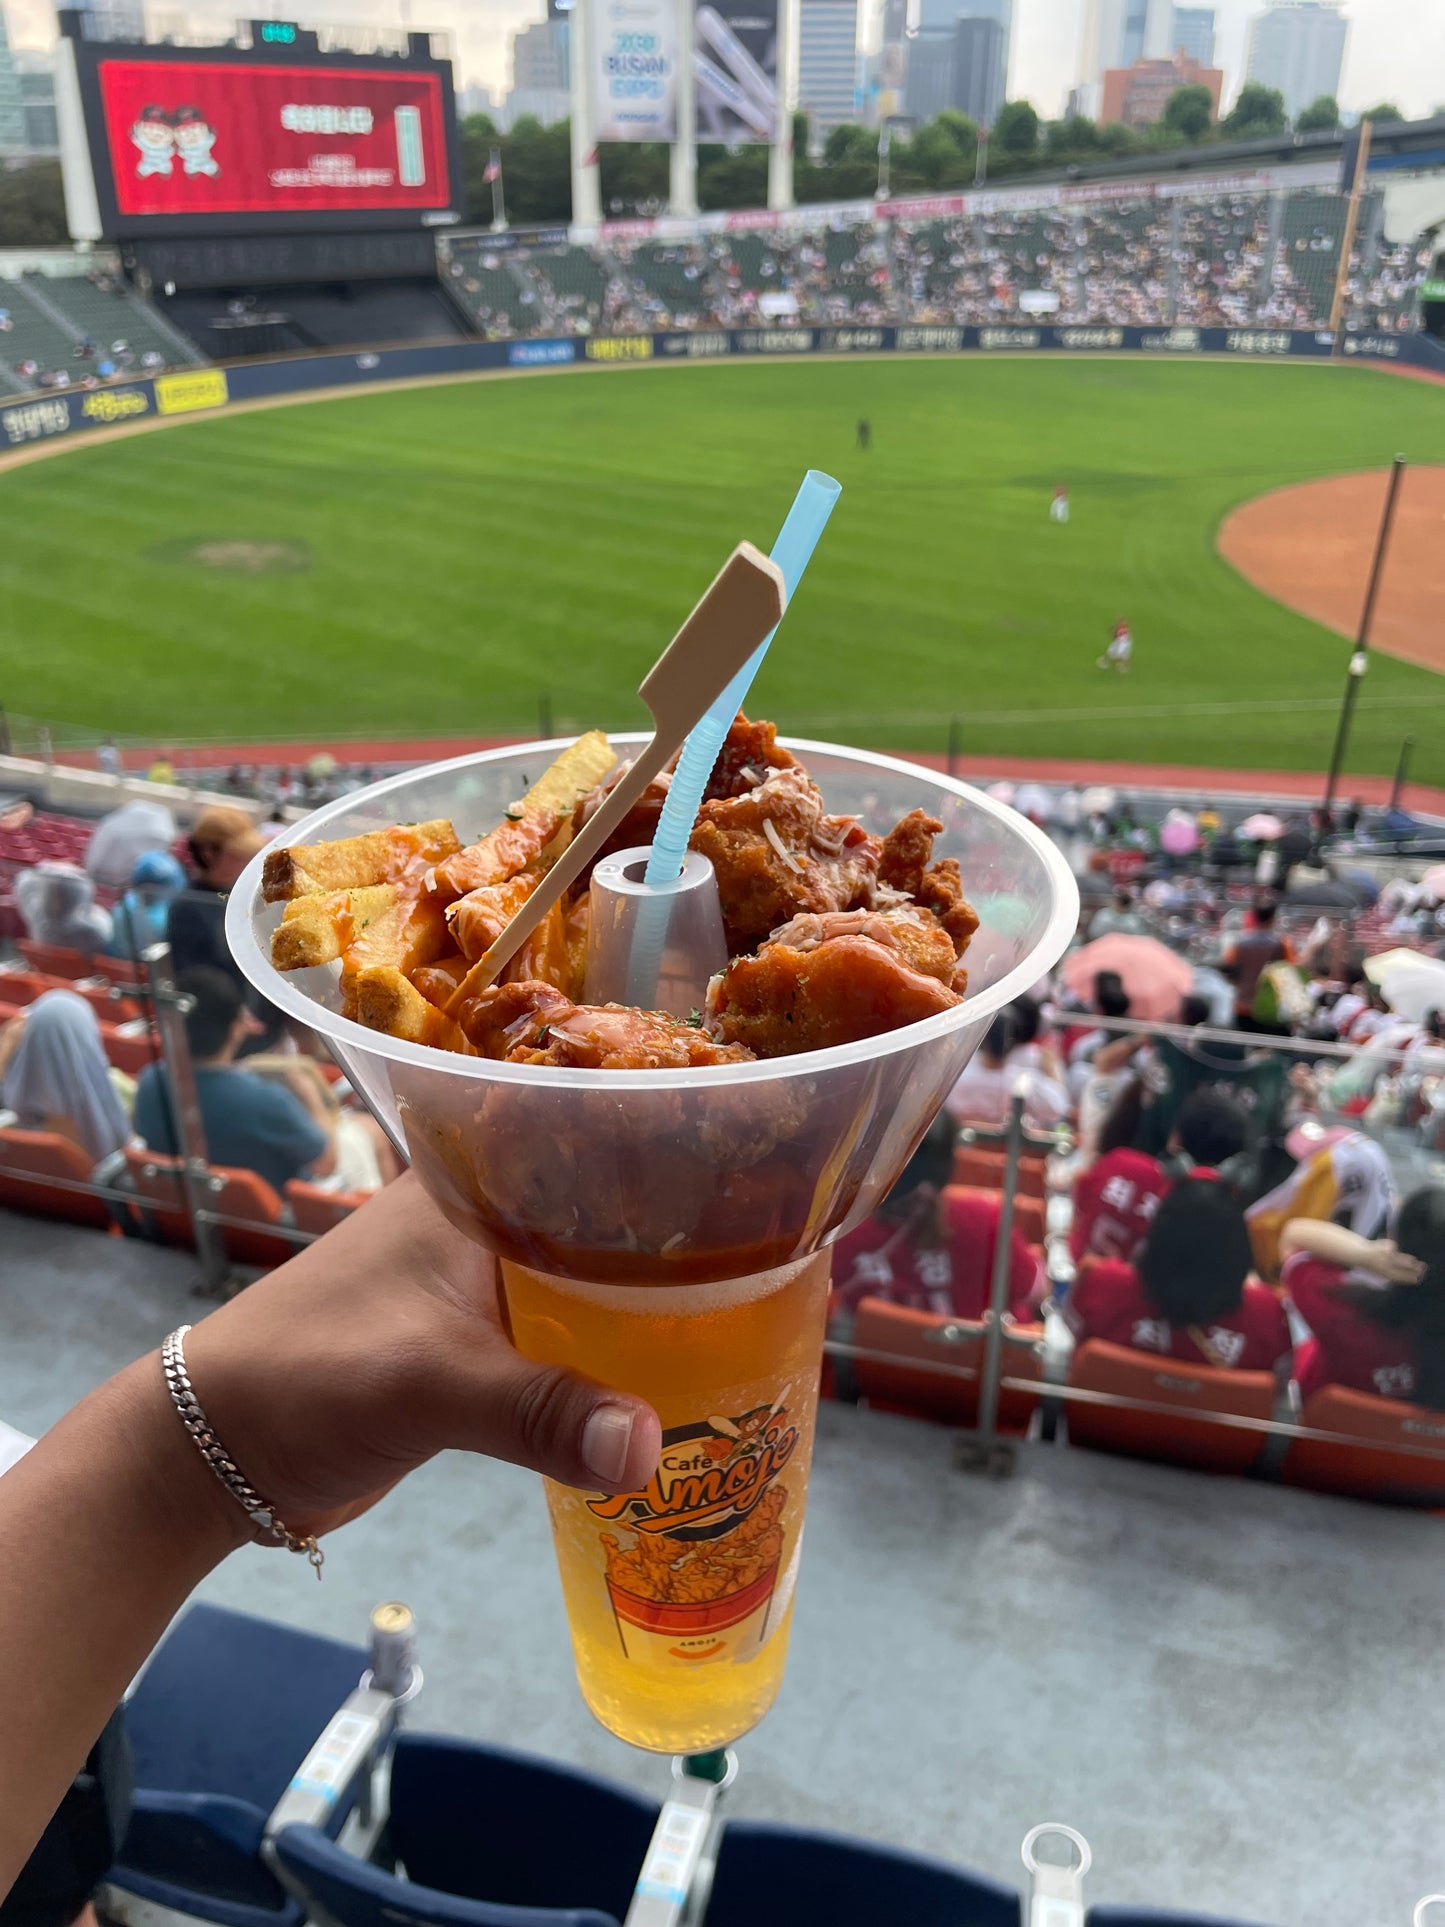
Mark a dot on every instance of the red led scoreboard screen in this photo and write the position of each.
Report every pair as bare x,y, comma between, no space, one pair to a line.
199,137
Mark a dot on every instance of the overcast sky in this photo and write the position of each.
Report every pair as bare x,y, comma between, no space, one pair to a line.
1396,48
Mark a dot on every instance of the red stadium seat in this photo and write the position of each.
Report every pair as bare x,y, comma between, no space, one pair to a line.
119,970
318,1210
109,1008
920,1339
21,986
42,1157
55,960
1172,1434
982,1167
130,1047
233,1193
1367,1469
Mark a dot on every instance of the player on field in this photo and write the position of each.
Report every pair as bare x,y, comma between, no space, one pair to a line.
1059,507
865,432
1121,647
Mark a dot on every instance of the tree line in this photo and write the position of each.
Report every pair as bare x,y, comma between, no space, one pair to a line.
941,155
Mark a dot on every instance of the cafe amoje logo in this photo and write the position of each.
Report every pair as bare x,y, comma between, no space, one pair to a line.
709,1476
114,404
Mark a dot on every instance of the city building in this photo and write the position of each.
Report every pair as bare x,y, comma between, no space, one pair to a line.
958,58
12,105
541,72
1138,95
980,68
474,98
1297,46
1116,34
37,98
1194,34
112,19
828,76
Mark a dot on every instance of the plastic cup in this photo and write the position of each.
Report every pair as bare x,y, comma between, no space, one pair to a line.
666,1233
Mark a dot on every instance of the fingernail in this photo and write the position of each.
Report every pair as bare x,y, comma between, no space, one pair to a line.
606,1440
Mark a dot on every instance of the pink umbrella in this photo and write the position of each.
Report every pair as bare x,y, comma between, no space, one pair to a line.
1261,827
1155,978
1433,883
1178,836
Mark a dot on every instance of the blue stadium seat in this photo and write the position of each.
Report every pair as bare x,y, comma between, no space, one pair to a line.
776,1876
222,1717
489,1838
1154,1917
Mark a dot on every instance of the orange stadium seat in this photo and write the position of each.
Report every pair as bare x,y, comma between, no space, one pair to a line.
119,970
318,1210
920,1339
130,1047
109,1008
1366,1468
233,1193
982,1167
55,960
1029,1212
43,1157
1173,1434
21,986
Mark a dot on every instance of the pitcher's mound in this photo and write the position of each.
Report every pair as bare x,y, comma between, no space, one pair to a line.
1310,548
230,556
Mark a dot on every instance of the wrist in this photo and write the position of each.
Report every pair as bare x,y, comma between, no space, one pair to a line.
178,1499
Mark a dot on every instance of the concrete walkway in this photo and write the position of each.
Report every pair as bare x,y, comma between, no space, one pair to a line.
1228,1688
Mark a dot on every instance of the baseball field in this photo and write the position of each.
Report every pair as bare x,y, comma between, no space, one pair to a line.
437,560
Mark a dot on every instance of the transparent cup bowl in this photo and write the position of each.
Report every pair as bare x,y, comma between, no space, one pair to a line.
675,1177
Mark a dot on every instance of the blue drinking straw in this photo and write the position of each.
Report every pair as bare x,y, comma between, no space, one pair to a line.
792,551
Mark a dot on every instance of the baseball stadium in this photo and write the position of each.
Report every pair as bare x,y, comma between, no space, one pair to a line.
903,736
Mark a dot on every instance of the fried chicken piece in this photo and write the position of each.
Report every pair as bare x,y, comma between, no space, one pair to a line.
501,854
915,934
638,827
481,916
533,1023
438,980
749,751
776,853
849,987
904,865
556,951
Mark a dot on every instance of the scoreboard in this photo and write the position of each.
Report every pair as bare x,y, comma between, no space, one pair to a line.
275,137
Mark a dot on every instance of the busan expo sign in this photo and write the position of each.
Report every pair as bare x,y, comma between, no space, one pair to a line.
635,70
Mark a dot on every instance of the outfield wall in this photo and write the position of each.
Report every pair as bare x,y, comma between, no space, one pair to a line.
44,417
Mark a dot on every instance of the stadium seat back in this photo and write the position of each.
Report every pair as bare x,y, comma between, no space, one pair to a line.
233,1193
317,1210
917,1342
19,985
107,1007
31,1162
1173,1434
221,1718
160,1188
54,960
130,1047
1366,1468
120,970
981,1167
438,1787
770,1875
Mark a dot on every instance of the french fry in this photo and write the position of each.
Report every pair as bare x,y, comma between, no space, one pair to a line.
322,926
577,770
495,859
540,822
437,981
410,933
355,862
386,1001
482,915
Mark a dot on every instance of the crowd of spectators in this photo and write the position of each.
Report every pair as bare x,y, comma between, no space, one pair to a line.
1230,260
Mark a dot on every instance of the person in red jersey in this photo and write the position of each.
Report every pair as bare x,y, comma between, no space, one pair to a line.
1190,1295
1116,1198
931,1244
1375,1307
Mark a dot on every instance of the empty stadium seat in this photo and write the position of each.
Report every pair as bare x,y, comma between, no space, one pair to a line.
119,970
981,1167
54,960
130,1047
30,1164
318,1210
769,1875
920,1339
21,986
1172,1434
160,1187
1363,1466
101,997
559,1847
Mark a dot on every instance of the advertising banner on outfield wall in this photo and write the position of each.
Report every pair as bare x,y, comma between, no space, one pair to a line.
735,60
634,70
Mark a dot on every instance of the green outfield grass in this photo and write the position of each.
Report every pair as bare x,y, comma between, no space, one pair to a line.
447,554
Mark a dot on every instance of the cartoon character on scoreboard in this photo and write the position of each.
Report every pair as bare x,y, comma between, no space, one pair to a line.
195,137
155,136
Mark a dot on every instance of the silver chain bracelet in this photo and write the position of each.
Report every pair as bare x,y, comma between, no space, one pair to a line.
193,1417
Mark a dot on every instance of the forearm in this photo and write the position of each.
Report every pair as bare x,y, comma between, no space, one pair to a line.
1334,1243
105,1528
